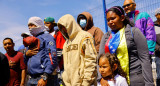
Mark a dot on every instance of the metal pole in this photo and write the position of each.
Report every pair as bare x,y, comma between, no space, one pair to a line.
105,20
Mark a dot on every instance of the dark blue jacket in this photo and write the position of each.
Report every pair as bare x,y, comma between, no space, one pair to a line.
41,62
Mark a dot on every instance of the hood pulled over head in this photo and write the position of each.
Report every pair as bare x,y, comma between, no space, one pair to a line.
39,23
89,19
68,22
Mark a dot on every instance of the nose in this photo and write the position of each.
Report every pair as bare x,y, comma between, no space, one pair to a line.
110,22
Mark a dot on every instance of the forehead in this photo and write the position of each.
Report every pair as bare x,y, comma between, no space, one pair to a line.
111,14
7,40
128,2
31,24
103,60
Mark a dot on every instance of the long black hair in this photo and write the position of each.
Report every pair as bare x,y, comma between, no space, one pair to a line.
119,11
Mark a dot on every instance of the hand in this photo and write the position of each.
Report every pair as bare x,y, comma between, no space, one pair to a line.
22,84
32,52
12,64
104,82
41,82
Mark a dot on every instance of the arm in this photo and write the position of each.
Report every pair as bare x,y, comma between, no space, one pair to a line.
23,76
98,36
89,62
102,44
150,34
23,68
143,54
50,62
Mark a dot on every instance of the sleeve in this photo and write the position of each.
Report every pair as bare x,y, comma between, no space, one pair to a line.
150,34
143,54
102,44
26,58
89,62
51,57
22,64
123,82
98,36
157,47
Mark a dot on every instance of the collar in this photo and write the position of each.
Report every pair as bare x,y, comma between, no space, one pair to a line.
156,24
40,34
135,13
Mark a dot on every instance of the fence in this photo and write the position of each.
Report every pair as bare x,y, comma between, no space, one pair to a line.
148,6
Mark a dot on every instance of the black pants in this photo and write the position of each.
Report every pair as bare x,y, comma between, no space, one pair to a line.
158,82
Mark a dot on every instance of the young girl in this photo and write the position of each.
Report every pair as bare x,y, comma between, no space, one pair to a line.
111,71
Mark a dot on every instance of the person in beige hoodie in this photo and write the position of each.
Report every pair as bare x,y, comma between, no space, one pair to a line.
79,54
85,21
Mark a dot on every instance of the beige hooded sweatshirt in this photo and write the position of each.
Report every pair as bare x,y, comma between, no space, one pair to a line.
95,31
79,54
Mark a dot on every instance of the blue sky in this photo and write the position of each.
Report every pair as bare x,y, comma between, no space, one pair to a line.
15,14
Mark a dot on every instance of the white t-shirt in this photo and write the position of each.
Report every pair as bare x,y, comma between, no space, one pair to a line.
119,81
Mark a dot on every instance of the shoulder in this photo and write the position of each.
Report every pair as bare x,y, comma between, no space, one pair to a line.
85,34
99,30
46,36
119,78
107,34
143,15
2,56
19,54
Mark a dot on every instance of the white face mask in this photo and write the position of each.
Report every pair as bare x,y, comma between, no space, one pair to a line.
83,23
46,29
35,31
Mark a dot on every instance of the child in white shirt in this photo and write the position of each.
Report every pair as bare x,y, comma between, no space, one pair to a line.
111,71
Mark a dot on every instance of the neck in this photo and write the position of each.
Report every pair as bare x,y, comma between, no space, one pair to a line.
51,30
158,21
11,53
107,78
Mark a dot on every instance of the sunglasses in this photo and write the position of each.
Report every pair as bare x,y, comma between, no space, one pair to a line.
124,6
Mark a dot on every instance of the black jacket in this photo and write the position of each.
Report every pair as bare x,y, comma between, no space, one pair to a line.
4,70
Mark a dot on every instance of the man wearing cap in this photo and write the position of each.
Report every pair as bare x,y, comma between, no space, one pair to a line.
41,61
50,23
157,48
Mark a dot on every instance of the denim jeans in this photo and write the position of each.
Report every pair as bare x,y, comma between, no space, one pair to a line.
33,81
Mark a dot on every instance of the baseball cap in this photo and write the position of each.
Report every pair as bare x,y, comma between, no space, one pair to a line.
31,41
25,34
50,19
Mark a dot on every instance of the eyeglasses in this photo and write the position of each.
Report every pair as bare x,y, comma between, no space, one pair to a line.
124,6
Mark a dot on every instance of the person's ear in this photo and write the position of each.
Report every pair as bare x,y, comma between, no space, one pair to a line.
115,67
134,5
122,17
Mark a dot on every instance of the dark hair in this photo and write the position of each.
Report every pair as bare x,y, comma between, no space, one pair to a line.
119,11
112,58
81,16
9,39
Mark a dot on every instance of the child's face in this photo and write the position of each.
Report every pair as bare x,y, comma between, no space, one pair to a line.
104,67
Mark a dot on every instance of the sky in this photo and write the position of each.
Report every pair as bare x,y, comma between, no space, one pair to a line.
15,14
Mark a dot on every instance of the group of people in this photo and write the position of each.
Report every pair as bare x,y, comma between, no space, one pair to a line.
79,54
